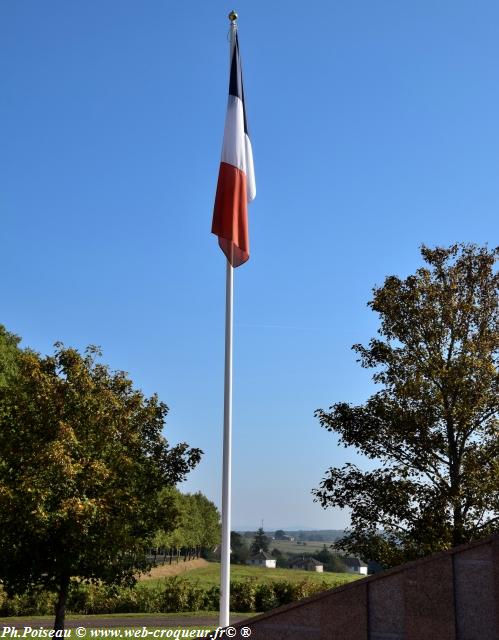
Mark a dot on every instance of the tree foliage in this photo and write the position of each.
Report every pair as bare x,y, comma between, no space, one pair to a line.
239,548
331,561
9,352
200,524
434,423
82,461
260,542
196,528
211,529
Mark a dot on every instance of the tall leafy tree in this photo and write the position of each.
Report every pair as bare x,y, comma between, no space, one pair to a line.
9,352
260,542
239,548
433,425
82,461
166,538
192,526
331,561
210,517
196,525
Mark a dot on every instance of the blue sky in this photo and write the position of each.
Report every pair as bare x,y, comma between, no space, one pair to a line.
375,128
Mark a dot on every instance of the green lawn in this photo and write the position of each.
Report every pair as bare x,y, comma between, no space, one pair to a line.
210,576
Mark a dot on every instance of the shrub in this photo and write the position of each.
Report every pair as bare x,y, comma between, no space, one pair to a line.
284,592
34,603
212,599
307,588
242,596
265,597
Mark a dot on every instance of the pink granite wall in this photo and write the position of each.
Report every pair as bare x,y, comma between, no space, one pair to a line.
452,595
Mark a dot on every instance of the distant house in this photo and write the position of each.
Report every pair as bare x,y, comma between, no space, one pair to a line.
354,565
288,538
307,564
262,559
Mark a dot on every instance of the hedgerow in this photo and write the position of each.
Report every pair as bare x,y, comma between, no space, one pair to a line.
172,595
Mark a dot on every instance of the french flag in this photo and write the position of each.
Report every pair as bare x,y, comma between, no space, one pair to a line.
236,178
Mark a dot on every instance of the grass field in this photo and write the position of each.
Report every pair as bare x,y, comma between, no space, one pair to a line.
285,546
209,575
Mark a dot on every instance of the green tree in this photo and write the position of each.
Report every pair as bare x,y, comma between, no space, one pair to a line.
191,527
279,534
260,542
9,352
434,424
331,561
211,531
197,524
282,559
239,548
170,500
82,461
178,541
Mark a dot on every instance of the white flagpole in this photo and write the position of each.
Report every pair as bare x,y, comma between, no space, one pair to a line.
227,437
227,455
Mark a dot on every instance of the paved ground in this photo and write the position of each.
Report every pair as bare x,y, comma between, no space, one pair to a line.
125,621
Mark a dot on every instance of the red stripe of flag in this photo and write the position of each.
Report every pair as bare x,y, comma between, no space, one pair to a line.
230,215
236,182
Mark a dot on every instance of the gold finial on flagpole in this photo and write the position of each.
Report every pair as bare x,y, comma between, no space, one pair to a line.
233,16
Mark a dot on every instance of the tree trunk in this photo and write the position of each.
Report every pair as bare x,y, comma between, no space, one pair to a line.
60,607
458,536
